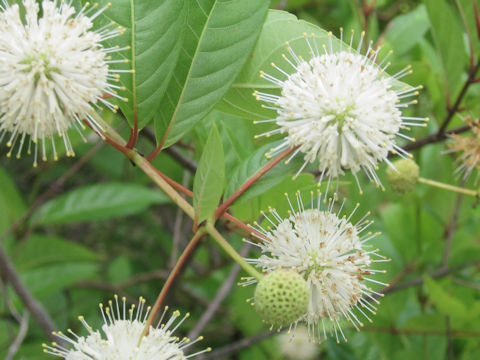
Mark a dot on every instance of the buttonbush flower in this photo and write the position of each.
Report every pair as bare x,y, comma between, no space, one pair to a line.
298,346
53,71
122,339
331,254
469,147
339,107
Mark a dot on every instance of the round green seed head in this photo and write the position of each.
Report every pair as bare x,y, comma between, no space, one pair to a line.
405,178
281,297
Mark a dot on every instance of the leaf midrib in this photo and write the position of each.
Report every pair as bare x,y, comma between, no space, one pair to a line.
179,102
134,65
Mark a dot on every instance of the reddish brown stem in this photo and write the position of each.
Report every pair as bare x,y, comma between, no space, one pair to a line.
150,157
477,17
175,185
242,225
132,141
452,110
159,147
109,140
116,145
469,36
168,283
252,180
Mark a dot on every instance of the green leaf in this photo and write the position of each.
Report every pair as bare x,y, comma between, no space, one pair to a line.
153,33
40,250
209,180
11,202
47,280
446,303
408,29
248,208
448,34
218,38
251,165
468,11
97,202
237,141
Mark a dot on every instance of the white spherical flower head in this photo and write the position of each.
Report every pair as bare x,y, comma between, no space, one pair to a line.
330,253
339,107
122,337
298,346
53,69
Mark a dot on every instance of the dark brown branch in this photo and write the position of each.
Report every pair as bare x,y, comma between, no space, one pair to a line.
8,271
36,309
434,138
219,297
172,151
453,109
452,226
435,275
394,331
53,189
250,181
22,332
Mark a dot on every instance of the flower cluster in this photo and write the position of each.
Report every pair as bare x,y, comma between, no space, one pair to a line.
339,107
469,146
123,337
331,254
298,346
53,71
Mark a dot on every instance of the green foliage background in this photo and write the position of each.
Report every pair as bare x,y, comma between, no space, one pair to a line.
108,230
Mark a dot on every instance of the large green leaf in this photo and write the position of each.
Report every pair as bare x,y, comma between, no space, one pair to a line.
218,38
47,280
40,250
407,30
210,177
249,166
467,9
11,202
153,33
448,35
446,303
96,202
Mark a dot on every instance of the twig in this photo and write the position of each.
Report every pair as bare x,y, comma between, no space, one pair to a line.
163,293
394,331
453,188
451,229
52,190
252,180
236,346
466,283
22,332
36,309
434,138
282,5
367,10
219,297
453,110
449,338
183,160
177,227
435,275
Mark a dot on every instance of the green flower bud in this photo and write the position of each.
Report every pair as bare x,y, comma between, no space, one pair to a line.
281,297
405,178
